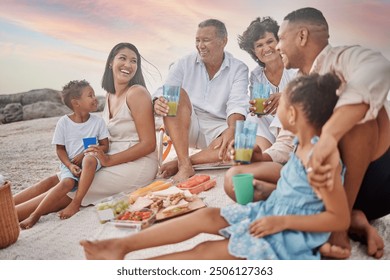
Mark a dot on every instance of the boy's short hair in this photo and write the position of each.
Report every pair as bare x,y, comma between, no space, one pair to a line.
72,90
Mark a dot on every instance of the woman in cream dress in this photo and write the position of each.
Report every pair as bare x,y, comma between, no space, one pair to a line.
132,158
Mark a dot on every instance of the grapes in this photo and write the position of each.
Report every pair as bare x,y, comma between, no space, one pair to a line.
117,207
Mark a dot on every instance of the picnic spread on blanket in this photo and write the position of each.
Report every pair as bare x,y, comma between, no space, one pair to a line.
155,202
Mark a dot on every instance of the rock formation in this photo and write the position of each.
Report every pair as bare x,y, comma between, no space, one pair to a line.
13,112
39,103
31,96
44,109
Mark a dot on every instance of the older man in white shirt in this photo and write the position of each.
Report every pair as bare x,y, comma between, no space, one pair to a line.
213,96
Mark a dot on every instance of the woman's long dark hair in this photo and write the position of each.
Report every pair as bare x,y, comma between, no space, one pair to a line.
108,78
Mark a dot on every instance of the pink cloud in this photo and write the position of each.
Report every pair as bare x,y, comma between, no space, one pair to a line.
165,30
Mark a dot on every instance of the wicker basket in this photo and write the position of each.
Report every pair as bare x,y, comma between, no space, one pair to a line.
9,224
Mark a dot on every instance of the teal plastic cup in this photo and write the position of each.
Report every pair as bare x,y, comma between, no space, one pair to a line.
243,188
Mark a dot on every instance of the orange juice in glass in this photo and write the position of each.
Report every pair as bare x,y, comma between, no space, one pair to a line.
172,108
172,94
243,155
244,140
260,93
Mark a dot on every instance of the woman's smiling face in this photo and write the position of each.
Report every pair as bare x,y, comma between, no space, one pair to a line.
265,48
124,65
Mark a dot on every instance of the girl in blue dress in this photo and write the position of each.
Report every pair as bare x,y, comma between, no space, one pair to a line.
291,224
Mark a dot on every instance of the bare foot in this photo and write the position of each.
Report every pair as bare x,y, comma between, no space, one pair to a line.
367,234
185,172
69,211
168,169
103,250
331,251
29,222
337,247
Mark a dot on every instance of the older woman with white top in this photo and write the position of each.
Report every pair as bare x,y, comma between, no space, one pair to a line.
259,40
273,143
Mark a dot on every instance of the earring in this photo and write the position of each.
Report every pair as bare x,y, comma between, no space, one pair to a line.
110,66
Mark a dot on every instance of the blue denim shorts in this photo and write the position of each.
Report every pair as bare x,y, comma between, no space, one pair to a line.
65,173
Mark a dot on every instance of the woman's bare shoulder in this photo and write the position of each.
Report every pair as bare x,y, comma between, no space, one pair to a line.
137,94
137,90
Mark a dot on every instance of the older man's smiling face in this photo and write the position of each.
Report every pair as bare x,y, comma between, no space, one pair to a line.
210,47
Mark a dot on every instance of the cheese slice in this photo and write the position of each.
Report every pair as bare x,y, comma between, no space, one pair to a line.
141,202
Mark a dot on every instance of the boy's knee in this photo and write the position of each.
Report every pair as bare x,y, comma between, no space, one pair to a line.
68,183
52,180
89,161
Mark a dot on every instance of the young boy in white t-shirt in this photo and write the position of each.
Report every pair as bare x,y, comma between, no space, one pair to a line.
77,168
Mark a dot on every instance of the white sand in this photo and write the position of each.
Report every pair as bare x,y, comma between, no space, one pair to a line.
26,156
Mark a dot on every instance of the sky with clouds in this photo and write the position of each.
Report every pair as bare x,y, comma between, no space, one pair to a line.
45,44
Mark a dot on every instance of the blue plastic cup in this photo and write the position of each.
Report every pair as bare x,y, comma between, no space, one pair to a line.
89,141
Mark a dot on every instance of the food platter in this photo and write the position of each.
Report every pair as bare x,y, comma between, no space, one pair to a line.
158,201
197,203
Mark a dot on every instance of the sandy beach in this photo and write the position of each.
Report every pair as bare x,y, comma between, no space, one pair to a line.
26,156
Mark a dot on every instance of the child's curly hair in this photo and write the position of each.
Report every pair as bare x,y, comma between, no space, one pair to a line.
72,90
316,94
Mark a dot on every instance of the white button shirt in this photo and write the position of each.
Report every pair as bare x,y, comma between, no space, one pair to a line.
226,93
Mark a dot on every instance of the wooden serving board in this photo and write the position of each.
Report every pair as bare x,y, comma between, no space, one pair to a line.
193,205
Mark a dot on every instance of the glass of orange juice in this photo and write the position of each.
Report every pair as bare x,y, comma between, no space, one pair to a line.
172,94
260,93
244,141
